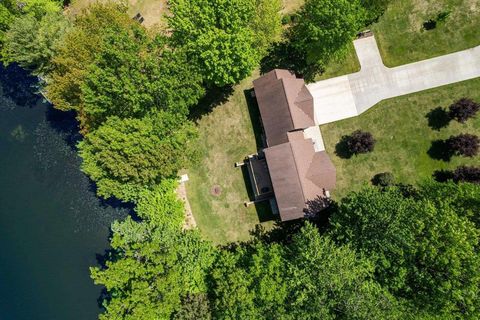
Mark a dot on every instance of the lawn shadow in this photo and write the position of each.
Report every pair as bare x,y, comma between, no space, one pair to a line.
341,148
213,97
438,118
255,118
440,150
442,175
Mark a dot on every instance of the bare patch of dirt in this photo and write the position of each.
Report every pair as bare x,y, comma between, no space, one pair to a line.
216,190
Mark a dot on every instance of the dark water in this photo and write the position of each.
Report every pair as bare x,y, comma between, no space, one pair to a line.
51,224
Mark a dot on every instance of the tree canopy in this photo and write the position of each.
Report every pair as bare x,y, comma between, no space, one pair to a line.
125,155
222,36
422,249
32,41
324,28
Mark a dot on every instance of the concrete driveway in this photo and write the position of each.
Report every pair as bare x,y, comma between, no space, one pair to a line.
350,95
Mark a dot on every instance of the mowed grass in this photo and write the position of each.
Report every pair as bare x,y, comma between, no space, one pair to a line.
226,136
403,136
153,11
402,39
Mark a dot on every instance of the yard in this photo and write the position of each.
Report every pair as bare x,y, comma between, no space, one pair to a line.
151,10
217,190
401,128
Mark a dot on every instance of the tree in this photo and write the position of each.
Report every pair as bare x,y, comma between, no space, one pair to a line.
360,142
383,179
374,9
463,109
307,278
218,36
78,50
327,281
151,270
134,75
464,144
154,267
467,174
422,249
123,156
32,42
324,28
194,307
267,24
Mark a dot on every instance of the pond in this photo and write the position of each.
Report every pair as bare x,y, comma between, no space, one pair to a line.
52,226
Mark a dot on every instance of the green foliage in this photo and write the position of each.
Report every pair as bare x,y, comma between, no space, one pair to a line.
222,36
267,24
249,283
374,9
161,204
422,249
78,51
310,278
194,307
123,156
152,268
134,75
32,42
324,28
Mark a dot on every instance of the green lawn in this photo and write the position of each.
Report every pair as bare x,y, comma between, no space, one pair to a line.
403,136
401,38
226,136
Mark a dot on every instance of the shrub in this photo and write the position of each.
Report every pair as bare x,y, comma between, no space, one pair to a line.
361,142
464,144
463,109
383,179
467,174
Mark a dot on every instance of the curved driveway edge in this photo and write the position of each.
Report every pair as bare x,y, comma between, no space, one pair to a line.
350,95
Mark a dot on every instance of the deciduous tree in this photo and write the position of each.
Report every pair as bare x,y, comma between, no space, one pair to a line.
123,156
422,249
32,42
324,28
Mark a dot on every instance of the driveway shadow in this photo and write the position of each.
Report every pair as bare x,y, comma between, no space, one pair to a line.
438,118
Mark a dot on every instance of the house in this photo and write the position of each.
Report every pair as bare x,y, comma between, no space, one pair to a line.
300,170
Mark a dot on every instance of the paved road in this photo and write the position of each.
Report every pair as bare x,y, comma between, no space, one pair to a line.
350,95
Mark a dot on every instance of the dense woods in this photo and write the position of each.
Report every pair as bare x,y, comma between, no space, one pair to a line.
393,252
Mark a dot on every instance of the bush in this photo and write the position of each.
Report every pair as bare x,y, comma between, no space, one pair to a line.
463,109
464,144
383,179
361,142
467,174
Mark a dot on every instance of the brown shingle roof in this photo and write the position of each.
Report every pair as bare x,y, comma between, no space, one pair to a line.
285,104
299,174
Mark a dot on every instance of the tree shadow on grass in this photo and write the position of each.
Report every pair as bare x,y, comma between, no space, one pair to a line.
341,148
213,97
440,150
438,118
283,55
